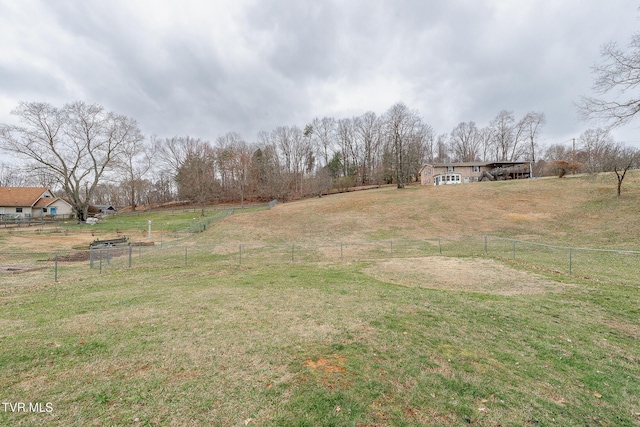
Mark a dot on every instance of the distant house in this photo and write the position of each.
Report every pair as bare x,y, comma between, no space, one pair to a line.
463,173
105,209
32,202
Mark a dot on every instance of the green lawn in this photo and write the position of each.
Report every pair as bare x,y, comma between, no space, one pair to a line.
299,318
316,345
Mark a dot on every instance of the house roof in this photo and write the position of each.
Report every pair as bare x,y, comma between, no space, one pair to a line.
21,196
44,202
461,164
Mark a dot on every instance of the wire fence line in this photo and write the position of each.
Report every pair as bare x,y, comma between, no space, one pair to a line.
28,268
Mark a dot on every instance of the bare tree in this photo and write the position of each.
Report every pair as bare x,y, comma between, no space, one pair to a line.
465,142
626,158
402,127
267,176
533,123
173,152
11,176
596,148
503,136
485,140
615,76
509,136
78,143
345,136
323,138
196,177
134,164
241,165
225,158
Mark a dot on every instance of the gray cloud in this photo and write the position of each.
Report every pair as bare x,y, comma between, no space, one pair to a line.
206,68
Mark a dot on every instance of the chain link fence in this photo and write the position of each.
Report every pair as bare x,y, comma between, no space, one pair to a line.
19,269
600,264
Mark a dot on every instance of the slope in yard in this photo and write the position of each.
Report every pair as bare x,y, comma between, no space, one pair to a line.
575,211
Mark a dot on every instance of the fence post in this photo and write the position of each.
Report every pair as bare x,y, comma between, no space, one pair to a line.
570,260
108,255
56,268
90,257
130,252
439,247
185,255
514,250
101,261
485,245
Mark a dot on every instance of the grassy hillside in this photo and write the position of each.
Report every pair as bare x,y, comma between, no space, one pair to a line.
432,341
576,211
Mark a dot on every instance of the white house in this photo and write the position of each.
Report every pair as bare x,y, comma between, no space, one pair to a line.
32,202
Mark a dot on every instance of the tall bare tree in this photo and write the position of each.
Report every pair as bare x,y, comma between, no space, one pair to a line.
11,176
485,140
402,127
196,177
533,123
368,131
78,143
323,138
502,129
509,136
173,152
597,147
136,161
465,142
617,79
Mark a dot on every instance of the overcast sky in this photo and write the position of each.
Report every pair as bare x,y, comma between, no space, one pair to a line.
204,68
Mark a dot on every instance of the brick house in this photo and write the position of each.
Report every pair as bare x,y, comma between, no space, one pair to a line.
466,172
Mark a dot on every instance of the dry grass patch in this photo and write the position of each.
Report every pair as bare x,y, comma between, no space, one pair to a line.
575,211
461,274
33,241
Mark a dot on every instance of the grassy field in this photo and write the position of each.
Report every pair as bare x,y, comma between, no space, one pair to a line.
574,211
410,341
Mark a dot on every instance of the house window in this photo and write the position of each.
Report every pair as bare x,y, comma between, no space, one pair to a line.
475,168
18,210
450,168
44,210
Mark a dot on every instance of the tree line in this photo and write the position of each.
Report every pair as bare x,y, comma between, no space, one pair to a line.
95,155
92,155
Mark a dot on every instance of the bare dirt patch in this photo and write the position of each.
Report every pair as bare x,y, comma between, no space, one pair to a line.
461,274
43,242
335,364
